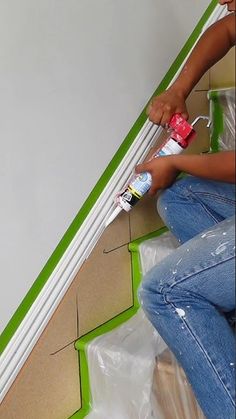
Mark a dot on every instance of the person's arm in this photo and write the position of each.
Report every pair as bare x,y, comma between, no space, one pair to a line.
164,170
212,46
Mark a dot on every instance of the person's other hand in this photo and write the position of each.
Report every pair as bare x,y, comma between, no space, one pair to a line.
161,108
162,170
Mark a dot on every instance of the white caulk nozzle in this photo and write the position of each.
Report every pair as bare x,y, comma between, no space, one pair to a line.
114,214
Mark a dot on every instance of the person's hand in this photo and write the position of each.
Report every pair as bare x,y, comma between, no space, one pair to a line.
162,170
161,108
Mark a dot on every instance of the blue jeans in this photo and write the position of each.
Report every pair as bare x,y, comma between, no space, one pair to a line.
189,297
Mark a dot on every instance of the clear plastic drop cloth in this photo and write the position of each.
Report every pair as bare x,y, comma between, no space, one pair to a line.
121,365
132,373
222,106
152,251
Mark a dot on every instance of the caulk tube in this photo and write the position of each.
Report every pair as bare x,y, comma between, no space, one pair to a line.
181,136
139,184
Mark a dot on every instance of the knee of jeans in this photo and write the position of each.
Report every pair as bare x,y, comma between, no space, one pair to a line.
161,200
179,189
149,289
164,199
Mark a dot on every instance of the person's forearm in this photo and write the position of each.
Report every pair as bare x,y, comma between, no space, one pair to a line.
212,46
217,166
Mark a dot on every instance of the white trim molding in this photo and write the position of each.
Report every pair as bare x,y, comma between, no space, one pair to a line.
38,316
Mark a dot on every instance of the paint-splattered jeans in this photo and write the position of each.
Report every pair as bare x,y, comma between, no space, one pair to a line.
189,297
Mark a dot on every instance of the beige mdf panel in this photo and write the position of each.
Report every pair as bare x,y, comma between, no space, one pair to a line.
48,386
144,218
198,104
222,74
203,83
104,282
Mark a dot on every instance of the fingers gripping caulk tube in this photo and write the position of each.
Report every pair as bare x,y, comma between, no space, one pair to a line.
181,136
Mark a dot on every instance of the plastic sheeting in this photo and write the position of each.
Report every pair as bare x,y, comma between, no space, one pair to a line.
222,106
132,373
121,365
152,251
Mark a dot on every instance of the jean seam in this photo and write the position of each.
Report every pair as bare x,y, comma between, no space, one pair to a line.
191,194
216,196
201,348
191,274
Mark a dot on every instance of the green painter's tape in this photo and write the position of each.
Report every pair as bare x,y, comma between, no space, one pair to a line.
94,195
217,119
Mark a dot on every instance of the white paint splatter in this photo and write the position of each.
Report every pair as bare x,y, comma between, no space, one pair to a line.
187,250
221,248
231,363
180,312
209,234
174,272
188,306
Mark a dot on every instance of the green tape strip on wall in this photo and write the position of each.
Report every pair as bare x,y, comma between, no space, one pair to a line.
94,195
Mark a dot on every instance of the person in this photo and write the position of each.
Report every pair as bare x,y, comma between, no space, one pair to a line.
189,296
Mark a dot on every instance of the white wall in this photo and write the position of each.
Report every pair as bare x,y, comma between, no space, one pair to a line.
74,76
